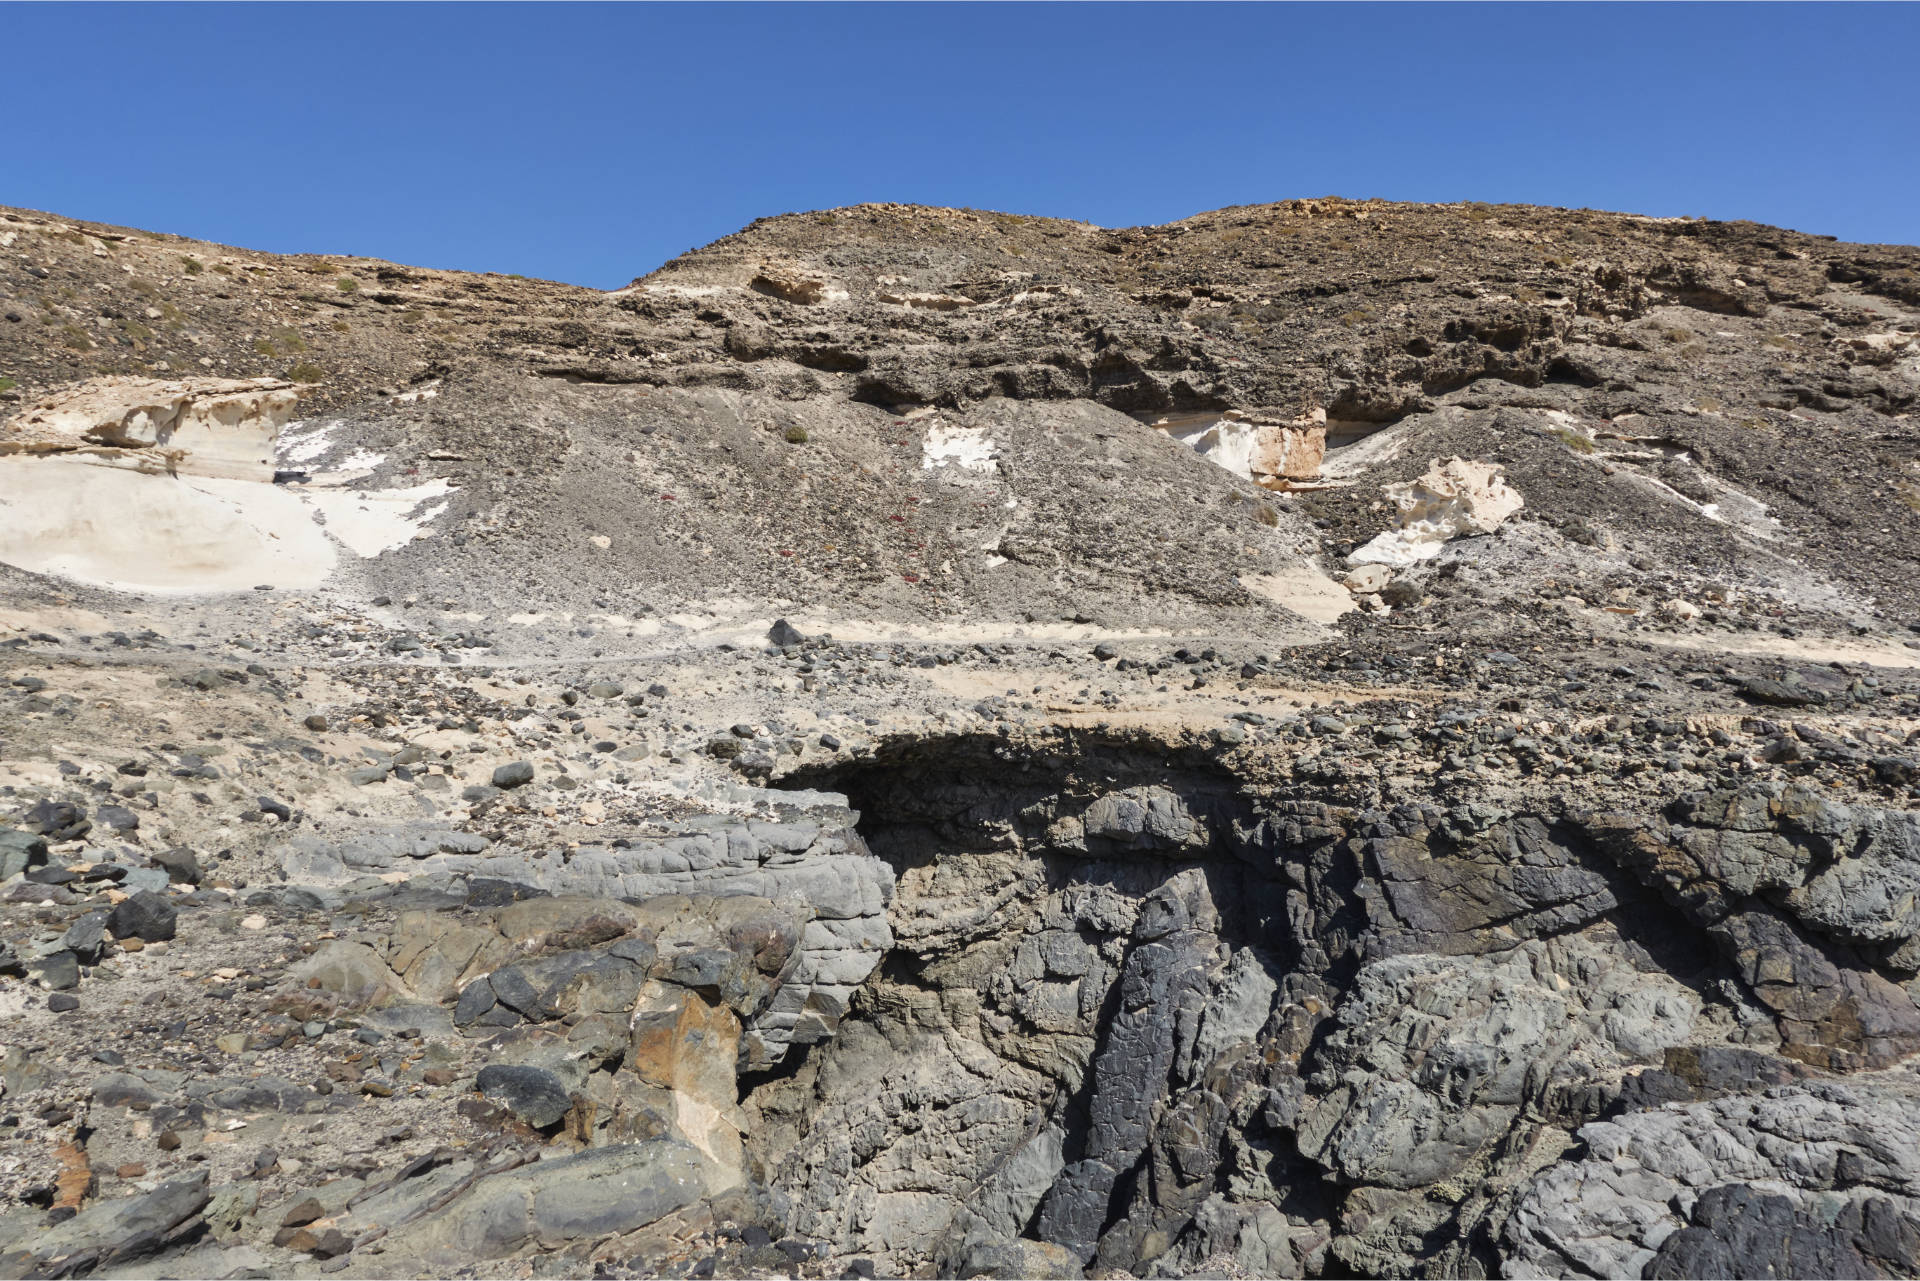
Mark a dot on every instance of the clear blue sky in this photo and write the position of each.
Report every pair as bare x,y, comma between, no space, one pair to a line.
591,143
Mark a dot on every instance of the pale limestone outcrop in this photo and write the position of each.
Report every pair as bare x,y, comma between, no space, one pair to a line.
1267,451
218,427
1453,499
791,284
166,485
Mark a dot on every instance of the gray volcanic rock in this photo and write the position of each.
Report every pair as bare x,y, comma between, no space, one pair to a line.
146,916
1847,1148
531,1094
1325,738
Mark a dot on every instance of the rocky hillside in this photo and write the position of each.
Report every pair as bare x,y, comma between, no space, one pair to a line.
1327,738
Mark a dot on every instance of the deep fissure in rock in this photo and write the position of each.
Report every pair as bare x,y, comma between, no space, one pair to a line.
1070,915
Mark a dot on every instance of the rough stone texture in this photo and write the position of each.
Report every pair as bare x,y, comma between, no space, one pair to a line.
108,1233
595,1194
200,426
1821,1178
868,750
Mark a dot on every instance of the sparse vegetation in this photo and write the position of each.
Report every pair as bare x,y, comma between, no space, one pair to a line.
306,372
7,384
347,285
1573,440
796,435
265,348
191,266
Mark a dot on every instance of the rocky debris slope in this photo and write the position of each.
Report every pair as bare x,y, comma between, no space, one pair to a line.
1329,738
944,414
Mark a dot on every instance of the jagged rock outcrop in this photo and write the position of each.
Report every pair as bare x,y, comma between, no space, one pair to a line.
222,427
1183,1003
1815,1181
1328,738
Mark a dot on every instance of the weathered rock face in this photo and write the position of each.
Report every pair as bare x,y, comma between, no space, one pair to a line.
1204,882
221,427
1817,1181
821,946
1268,452
1155,1023
1449,500
159,486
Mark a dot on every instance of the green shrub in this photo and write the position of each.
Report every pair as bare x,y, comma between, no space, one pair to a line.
347,285
191,266
796,435
7,384
306,372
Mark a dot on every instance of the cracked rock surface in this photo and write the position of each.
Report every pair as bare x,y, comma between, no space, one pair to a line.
825,761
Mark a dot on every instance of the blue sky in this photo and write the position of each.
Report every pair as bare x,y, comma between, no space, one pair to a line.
591,143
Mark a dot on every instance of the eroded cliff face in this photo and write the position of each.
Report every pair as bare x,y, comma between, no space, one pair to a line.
1329,738
1148,1012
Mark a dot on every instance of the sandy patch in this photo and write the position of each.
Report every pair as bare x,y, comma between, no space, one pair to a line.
1304,590
1814,649
374,521
133,532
